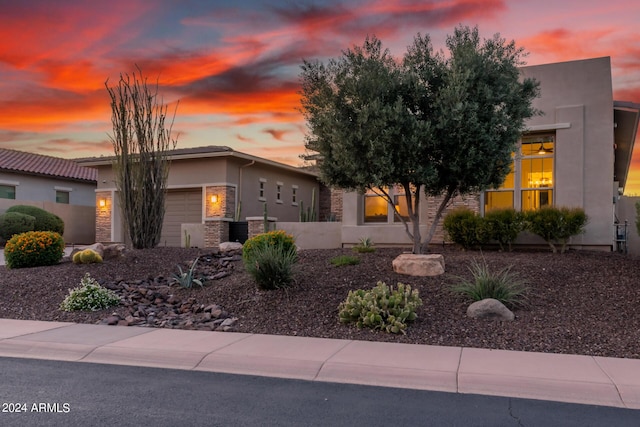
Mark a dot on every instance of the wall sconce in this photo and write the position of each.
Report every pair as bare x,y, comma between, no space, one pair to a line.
214,198
102,203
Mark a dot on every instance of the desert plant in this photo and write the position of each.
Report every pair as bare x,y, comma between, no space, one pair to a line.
86,256
343,260
44,221
503,285
504,225
310,214
382,307
365,245
34,248
466,228
12,223
556,225
187,279
90,296
271,238
187,239
271,265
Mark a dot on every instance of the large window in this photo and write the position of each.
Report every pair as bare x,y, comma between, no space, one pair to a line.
7,191
529,185
378,210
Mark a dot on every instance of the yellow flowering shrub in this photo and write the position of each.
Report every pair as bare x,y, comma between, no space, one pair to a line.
272,238
33,249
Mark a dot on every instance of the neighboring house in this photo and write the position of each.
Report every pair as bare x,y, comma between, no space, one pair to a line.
59,186
208,189
576,154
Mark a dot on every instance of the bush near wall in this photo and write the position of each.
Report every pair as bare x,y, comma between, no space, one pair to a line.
44,221
556,225
33,249
269,259
466,228
12,223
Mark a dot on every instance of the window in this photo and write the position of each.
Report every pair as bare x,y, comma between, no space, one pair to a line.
7,191
294,195
261,190
377,209
62,197
279,192
529,185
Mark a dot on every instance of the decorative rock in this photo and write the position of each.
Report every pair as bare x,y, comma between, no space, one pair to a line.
113,251
419,265
230,246
489,308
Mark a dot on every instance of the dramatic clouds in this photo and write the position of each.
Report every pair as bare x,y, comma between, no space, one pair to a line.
233,66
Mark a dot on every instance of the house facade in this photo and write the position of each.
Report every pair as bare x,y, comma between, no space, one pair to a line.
59,186
576,154
208,190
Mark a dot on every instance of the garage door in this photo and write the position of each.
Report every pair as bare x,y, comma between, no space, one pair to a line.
182,206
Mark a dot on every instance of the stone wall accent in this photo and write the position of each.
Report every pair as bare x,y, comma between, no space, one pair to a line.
103,216
471,201
215,232
225,207
330,201
256,225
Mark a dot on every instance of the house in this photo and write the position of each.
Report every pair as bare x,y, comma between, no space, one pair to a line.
209,190
576,154
59,186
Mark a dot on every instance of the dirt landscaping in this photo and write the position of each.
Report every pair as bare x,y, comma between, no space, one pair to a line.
580,302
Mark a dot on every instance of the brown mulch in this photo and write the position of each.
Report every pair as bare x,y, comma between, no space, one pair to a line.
580,302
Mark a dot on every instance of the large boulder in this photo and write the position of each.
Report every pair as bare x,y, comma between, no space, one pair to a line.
490,308
419,265
230,246
115,250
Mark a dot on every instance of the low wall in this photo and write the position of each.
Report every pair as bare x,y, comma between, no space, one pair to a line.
196,235
79,221
626,211
314,235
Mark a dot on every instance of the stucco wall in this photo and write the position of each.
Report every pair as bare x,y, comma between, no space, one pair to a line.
314,235
43,189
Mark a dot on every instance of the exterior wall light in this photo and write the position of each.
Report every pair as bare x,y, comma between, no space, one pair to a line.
102,203
214,198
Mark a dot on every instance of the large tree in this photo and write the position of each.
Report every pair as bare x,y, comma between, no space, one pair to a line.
433,124
141,138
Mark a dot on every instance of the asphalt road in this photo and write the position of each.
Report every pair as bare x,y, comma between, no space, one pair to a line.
51,393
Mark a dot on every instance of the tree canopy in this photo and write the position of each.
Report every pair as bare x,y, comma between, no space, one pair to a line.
434,124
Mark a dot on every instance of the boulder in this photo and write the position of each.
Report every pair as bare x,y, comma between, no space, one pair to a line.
113,251
419,265
489,308
230,246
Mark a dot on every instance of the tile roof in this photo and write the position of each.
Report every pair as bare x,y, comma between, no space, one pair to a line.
23,162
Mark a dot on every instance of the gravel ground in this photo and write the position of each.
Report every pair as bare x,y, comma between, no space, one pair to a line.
580,302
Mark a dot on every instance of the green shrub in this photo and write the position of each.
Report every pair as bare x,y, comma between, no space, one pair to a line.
34,248
45,221
466,228
382,307
342,260
556,225
505,286
87,256
271,265
90,296
272,238
12,223
503,226
365,246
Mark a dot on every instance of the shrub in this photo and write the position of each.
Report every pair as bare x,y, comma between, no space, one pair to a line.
365,246
45,221
271,265
90,296
342,260
34,248
466,228
556,225
505,286
87,256
272,238
12,223
504,225
187,279
382,307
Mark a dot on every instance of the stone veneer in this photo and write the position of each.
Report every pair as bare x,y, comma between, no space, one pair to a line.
256,225
330,201
216,232
225,206
103,216
471,201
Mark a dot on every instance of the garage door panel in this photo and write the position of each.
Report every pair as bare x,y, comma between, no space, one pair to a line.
184,206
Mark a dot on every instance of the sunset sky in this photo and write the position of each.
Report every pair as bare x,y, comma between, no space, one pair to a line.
234,65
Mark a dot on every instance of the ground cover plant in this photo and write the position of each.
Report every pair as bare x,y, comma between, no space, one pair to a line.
581,302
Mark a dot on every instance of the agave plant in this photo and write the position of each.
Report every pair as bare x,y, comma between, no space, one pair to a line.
186,279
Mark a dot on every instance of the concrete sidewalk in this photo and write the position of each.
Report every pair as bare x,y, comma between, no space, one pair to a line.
564,378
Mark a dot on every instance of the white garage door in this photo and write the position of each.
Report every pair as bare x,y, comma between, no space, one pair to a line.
182,206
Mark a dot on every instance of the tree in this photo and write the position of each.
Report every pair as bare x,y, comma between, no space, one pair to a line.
140,142
431,124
